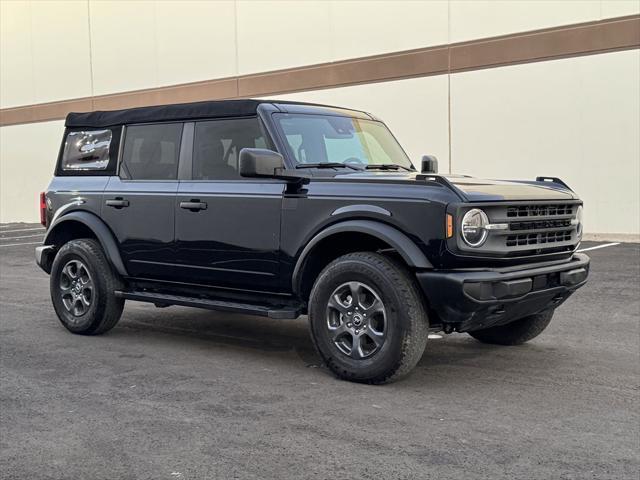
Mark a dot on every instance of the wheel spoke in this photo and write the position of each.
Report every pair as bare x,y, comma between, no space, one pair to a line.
376,337
356,348
355,288
375,307
336,303
71,270
67,301
86,302
338,331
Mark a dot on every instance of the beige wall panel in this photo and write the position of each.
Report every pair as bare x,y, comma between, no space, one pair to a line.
369,28
577,119
123,40
489,18
27,158
196,41
279,34
620,8
16,68
415,110
61,58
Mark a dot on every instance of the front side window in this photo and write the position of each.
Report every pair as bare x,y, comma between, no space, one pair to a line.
217,146
151,152
317,139
86,150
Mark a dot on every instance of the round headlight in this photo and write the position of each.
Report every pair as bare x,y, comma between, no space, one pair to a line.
474,232
579,222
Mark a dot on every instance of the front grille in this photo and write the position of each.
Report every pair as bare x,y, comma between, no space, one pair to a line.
538,238
522,229
539,210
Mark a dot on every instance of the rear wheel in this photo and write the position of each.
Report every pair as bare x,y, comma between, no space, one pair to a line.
367,318
82,285
517,332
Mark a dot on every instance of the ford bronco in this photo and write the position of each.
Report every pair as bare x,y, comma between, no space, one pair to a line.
283,209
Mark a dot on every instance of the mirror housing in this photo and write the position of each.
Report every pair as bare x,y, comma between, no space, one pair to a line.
429,164
260,162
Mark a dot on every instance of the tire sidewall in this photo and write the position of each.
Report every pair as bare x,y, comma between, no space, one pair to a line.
76,250
397,321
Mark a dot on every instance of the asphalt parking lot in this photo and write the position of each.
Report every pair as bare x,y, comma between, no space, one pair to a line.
185,394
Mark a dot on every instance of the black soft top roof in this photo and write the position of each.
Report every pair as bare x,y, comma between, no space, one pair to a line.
175,112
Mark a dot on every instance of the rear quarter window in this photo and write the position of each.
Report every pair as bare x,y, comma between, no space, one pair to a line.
88,151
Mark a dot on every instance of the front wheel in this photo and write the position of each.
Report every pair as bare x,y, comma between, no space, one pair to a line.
515,333
82,286
367,318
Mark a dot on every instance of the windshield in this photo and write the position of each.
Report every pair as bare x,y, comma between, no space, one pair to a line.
317,139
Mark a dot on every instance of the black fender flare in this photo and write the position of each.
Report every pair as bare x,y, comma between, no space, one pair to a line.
100,230
400,242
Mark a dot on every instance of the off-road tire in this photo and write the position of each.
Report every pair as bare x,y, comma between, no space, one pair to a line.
517,332
105,308
406,318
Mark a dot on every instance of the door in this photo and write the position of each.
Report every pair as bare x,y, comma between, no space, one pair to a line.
227,227
138,205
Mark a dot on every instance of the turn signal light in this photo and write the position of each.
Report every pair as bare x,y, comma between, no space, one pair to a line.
449,225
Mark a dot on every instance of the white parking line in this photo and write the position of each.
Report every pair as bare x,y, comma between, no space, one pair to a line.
16,244
17,225
23,230
599,246
23,236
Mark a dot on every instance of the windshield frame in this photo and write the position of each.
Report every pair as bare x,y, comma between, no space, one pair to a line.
291,159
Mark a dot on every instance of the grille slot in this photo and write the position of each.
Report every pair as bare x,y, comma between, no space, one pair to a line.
540,224
539,210
539,238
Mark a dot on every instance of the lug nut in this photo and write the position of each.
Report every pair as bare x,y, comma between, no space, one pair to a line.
349,325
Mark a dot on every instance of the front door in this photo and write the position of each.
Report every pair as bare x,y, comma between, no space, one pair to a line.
227,227
138,205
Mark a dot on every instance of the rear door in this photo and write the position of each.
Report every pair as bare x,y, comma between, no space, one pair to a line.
138,204
227,227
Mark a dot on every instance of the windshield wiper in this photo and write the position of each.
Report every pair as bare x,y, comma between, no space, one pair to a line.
388,166
328,165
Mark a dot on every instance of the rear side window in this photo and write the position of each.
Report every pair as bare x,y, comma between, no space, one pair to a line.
86,150
151,152
217,145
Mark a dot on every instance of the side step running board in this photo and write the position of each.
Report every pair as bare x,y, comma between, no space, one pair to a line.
164,300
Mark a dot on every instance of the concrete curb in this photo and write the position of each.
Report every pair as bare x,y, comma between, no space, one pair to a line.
612,237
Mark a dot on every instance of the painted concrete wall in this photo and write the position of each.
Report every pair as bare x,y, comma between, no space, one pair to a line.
574,118
61,49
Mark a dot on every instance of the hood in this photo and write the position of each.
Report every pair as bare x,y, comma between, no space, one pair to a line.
473,189
480,190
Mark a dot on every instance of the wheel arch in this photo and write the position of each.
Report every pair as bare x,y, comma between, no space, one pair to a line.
340,238
82,224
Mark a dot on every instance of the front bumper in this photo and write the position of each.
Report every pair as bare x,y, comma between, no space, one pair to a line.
473,299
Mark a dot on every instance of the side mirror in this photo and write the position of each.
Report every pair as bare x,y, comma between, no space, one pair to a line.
429,164
259,162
